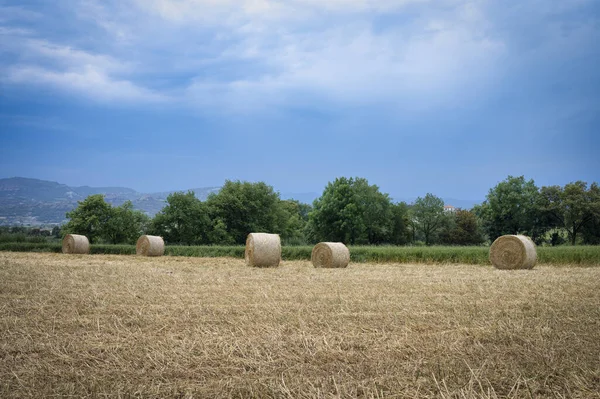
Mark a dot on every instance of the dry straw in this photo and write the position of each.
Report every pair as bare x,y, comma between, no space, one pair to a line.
330,254
150,246
263,250
513,252
75,244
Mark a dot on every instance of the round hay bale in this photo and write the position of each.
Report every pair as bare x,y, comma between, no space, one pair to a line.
263,250
75,244
150,246
330,254
513,252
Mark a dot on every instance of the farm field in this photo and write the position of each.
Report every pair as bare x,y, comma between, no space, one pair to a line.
127,326
475,255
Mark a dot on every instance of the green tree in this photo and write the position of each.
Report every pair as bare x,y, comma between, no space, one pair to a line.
428,215
401,222
352,211
56,232
591,232
512,207
463,229
124,225
296,216
244,207
184,220
89,218
573,207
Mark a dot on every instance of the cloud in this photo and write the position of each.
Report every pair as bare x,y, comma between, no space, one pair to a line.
13,13
98,77
419,64
215,12
88,82
259,55
69,57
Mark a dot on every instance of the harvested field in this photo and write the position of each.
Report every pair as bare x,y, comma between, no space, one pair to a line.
124,326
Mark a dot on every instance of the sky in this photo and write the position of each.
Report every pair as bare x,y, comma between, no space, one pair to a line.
418,96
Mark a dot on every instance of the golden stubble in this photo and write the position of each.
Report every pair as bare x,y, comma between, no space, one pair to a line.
128,326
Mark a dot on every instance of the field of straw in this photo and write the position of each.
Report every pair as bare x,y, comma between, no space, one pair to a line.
126,326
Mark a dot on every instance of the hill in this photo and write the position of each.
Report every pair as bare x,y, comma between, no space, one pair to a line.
25,201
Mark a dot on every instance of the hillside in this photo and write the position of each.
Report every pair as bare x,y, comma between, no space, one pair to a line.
25,201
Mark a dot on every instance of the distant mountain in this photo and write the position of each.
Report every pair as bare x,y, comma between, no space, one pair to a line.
26,201
35,202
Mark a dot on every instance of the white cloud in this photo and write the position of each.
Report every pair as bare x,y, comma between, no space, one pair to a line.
88,82
422,64
96,76
228,11
72,58
246,55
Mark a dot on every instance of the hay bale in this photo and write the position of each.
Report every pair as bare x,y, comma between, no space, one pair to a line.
513,252
263,250
150,246
330,254
75,244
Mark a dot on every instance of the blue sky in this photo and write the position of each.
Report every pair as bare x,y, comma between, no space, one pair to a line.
445,96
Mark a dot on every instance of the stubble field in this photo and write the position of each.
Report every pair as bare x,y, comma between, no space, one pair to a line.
125,326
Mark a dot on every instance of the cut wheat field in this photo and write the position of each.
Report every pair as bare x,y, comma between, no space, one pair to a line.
126,326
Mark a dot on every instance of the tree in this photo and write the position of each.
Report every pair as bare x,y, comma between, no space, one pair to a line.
353,212
295,215
124,225
244,207
56,232
401,222
184,220
591,232
428,215
463,229
512,207
573,207
88,218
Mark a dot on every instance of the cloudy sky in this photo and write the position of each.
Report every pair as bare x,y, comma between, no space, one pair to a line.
441,96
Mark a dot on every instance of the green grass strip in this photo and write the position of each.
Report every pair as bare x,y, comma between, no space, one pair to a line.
563,255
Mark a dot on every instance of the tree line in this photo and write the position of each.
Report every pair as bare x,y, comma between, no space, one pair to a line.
352,211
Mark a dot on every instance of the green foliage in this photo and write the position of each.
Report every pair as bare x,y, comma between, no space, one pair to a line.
295,215
401,222
244,207
512,207
591,232
207,251
573,208
428,216
31,246
125,225
463,229
89,218
99,221
184,220
353,212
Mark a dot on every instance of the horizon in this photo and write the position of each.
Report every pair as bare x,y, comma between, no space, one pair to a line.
301,197
418,97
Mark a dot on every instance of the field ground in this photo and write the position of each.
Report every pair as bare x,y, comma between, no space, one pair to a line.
126,326
475,255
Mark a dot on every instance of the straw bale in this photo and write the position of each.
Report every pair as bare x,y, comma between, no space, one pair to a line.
330,255
75,244
150,246
263,250
513,252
